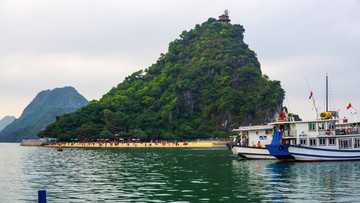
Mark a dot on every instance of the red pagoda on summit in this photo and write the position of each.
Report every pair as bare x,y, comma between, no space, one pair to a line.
224,18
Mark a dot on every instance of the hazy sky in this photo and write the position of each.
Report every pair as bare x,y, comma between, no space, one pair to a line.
93,45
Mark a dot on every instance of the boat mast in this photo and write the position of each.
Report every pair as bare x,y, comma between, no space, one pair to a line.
327,94
334,113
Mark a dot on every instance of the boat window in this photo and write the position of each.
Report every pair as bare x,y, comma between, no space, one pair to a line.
312,141
303,141
321,126
312,127
331,126
357,143
268,132
344,143
322,142
262,137
332,141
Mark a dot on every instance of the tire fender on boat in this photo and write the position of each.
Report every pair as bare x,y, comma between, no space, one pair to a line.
286,146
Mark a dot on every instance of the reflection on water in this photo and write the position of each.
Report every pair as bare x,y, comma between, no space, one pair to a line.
316,182
167,175
148,175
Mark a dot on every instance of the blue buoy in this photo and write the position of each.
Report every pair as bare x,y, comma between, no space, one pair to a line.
42,196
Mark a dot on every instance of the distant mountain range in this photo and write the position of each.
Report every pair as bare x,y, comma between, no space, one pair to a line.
6,121
42,111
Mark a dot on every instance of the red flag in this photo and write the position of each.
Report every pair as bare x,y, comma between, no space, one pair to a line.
311,93
283,114
349,106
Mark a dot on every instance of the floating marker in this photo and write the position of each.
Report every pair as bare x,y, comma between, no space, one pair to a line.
42,196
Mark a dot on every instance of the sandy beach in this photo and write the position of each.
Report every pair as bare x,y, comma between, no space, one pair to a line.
193,144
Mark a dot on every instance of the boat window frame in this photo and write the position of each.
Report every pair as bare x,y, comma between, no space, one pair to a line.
322,141
321,126
301,143
269,132
312,142
330,143
312,127
343,141
356,142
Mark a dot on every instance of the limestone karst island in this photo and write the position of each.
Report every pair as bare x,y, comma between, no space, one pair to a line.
208,83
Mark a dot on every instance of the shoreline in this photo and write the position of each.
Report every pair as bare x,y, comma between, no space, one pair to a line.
195,144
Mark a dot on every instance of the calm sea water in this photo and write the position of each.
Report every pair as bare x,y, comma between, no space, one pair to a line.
167,175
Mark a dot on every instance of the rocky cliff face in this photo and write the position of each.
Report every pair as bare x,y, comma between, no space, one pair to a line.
41,112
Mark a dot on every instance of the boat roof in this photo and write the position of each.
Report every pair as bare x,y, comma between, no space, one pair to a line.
295,122
254,127
348,123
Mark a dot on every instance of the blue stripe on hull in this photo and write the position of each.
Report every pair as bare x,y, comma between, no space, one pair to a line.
323,156
321,149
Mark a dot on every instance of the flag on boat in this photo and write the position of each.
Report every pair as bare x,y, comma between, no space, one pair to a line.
311,93
283,114
349,106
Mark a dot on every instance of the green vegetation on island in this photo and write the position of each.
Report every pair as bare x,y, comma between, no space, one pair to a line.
208,83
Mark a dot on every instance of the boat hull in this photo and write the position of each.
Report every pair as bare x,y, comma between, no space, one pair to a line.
319,154
280,151
252,153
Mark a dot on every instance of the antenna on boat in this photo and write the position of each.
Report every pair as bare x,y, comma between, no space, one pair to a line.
313,99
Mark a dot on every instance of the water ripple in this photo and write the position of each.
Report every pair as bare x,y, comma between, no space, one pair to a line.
167,175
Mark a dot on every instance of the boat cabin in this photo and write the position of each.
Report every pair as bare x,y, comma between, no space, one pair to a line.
347,128
251,135
307,133
325,133
348,135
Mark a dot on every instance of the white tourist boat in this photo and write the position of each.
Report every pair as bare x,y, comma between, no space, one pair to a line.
245,144
327,139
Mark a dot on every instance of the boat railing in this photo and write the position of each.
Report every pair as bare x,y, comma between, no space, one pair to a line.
347,130
327,132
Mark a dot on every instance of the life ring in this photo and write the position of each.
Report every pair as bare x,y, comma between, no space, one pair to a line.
348,131
281,147
328,131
